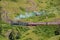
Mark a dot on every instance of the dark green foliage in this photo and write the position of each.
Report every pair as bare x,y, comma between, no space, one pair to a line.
57,31
22,9
23,29
45,30
59,38
1,30
51,15
18,36
11,36
42,17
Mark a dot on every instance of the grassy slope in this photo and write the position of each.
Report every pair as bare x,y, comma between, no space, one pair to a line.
28,33
13,8
42,32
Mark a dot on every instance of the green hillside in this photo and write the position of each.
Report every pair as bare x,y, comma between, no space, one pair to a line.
42,32
16,7
10,9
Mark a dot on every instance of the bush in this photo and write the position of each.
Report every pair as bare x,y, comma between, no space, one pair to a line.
51,15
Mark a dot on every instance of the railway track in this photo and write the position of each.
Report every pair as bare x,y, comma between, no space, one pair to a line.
6,19
35,24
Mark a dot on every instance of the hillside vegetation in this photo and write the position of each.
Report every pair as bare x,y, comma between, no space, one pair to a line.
9,9
16,7
42,32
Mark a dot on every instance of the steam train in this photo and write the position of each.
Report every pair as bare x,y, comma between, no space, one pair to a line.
34,23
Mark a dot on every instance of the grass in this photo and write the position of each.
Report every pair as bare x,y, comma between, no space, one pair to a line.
42,32
14,8
55,38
